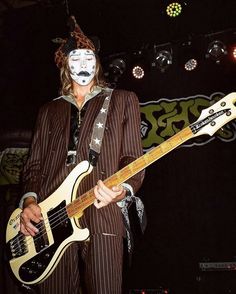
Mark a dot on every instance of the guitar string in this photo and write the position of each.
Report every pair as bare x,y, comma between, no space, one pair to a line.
20,238
83,201
46,224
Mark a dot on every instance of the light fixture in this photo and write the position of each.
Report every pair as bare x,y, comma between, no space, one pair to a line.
138,72
189,54
162,60
117,66
234,52
114,67
216,50
191,64
174,9
139,64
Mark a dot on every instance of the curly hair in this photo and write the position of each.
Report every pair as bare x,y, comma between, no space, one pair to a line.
66,80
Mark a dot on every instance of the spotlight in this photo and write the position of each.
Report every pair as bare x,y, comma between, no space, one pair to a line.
191,64
234,53
174,9
138,72
189,54
216,50
162,60
117,66
138,67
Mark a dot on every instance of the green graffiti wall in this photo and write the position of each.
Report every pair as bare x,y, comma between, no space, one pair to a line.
11,163
164,118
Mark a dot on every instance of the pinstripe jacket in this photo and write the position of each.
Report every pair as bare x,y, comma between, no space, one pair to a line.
46,166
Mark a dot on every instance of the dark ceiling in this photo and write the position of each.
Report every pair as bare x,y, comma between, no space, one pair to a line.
27,29
123,25
120,25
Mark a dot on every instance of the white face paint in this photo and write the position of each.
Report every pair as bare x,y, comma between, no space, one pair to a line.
82,64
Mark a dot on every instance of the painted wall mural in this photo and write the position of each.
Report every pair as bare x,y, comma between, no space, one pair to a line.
11,163
164,118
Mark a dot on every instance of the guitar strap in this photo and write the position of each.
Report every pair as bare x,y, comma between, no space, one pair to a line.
98,129
97,134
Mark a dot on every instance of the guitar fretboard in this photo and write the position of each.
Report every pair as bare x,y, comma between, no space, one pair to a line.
80,204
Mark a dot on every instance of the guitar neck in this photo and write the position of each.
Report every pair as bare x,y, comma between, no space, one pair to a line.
80,204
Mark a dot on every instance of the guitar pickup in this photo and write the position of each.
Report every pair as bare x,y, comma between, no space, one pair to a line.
41,238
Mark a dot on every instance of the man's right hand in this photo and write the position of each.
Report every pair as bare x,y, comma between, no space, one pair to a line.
31,212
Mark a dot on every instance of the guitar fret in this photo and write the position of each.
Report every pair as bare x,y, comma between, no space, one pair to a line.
153,154
80,204
165,147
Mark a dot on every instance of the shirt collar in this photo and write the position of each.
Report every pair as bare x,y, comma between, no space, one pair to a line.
96,90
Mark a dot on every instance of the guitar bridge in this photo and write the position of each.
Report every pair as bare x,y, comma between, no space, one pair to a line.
17,246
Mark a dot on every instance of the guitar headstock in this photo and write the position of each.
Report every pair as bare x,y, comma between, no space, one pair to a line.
215,116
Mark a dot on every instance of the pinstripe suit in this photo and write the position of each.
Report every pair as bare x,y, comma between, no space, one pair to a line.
45,170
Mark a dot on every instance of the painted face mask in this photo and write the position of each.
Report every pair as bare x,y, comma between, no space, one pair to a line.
82,64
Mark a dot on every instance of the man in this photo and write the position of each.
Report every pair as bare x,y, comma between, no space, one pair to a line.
64,137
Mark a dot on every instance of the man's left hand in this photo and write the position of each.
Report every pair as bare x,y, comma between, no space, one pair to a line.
105,195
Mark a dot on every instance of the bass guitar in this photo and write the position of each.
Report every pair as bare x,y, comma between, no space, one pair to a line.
33,259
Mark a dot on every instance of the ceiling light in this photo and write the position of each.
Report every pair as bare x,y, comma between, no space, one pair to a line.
138,72
216,50
173,9
139,64
117,66
162,60
234,53
191,64
189,54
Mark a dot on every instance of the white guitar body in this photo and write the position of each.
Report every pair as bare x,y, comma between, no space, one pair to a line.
31,264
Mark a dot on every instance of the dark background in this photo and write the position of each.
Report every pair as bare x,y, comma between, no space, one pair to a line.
189,194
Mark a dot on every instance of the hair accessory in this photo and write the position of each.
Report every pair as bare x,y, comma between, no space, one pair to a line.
76,40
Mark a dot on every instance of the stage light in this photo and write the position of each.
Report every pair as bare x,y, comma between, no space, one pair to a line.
117,66
114,67
216,51
191,64
189,54
174,9
234,52
138,66
138,72
162,60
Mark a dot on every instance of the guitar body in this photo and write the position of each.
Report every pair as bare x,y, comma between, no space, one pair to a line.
32,259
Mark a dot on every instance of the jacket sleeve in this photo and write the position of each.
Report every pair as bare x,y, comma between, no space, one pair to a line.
131,141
